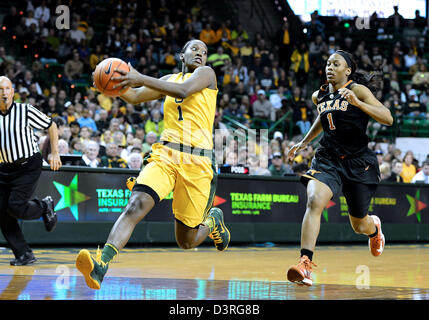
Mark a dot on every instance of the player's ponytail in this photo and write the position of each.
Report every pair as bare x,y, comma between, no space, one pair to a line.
371,80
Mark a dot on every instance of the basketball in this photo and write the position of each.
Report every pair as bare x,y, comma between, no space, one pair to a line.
103,74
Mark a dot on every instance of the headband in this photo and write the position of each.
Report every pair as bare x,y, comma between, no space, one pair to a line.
347,58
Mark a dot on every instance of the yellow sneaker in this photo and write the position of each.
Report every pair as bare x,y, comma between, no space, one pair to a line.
92,269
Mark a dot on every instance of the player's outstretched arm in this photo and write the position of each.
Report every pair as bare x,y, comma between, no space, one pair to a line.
200,79
143,94
363,98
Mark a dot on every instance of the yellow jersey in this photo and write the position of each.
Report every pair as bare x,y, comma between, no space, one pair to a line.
189,121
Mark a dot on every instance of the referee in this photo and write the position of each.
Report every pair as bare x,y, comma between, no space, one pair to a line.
20,169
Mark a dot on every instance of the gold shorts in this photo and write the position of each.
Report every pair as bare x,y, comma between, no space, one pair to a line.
191,177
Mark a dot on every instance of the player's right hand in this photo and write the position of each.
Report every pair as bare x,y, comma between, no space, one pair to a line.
294,150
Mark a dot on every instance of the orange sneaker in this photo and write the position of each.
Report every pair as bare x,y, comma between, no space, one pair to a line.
301,273
376,244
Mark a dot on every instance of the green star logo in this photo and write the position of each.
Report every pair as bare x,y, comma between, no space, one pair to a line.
70,197
415,205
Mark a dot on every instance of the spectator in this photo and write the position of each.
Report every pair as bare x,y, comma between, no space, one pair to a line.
90,155
423,175
73,68
255,168
396,21
262,108
410,59
31,21
395,175
207,35
218,60
155,123
42,13
11,20
135,161
103,121
85,134
314,27
277,167
86,120
385,172
379,154
408,168
302,115
76,35
239,33
232,110
300,64
151,138
112,158
414,108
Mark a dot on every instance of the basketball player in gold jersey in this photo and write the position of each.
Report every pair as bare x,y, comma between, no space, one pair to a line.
182,162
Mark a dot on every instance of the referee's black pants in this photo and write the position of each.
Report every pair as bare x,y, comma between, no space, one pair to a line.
17,184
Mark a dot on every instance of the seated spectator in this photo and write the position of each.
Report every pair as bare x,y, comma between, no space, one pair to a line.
410,59
379,155
76,146
86,120
90,155
414,108
395,175
102,123
135,161
408,168
208,35
232,110
76,35
302,115
385,171
151,138
155,123
277,167
423,175
112,158
73,68
218,60
255,168
85,134
262,108
239,33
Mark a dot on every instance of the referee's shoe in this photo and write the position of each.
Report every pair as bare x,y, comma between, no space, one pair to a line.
49,216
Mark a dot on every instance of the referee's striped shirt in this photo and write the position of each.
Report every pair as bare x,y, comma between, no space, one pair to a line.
17,138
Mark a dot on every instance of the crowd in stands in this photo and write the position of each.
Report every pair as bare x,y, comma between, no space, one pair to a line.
260,81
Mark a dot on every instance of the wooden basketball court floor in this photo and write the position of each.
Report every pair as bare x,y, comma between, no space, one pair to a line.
241,273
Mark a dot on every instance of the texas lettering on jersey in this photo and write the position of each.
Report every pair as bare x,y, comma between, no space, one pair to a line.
331,105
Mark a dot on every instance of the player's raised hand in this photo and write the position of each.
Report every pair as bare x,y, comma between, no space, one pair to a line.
133,78
294,150
349,95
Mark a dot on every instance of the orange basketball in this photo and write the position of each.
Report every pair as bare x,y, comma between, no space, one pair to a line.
103,74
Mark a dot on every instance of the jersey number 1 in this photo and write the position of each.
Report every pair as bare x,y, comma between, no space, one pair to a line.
179,108
331,121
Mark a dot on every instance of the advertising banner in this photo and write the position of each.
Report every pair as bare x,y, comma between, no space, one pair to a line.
101,196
